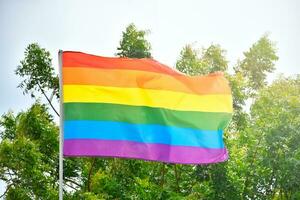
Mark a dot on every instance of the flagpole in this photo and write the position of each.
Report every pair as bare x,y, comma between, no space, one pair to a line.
61,167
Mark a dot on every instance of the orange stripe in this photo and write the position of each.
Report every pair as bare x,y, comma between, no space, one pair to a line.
146,80
78,59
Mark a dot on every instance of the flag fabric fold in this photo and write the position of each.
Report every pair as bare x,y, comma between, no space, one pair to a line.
142,109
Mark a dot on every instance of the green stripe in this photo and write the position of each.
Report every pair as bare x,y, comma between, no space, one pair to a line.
145,115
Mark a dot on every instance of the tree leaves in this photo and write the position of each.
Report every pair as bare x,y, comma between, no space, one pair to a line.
210,60
258,61
134,44
263,143
37,71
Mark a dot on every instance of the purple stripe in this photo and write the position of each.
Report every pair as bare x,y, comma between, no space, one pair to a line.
145,151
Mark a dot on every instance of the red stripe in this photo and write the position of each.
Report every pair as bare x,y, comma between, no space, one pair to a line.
78,59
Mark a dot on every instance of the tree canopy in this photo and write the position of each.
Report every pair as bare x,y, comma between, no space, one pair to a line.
263,142
133,44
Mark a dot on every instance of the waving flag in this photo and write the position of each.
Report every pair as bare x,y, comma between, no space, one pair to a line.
142,109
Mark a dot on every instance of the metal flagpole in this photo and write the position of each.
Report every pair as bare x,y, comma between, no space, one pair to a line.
61,139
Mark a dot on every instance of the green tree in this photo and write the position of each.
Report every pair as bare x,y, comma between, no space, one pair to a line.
34,134
28,154
258,61
210,60
133,44
274,147
38,73
189,63
263,143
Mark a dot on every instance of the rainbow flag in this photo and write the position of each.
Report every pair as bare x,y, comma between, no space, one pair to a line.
142,109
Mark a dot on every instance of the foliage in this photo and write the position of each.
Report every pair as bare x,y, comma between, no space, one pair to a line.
210,60
38,74
263,142
276,123
258,61
28,156
134,44
37,71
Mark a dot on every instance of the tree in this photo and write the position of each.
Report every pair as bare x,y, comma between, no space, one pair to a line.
189,63
210,60
258,61
28,154
34,134
38,73
263,143
275,151
133,44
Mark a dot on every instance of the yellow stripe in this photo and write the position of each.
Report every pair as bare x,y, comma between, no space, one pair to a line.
148,97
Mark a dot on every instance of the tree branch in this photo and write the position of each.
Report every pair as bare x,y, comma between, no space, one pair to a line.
70,186
162,175
7,188
89,176
48,99
177,178
72,181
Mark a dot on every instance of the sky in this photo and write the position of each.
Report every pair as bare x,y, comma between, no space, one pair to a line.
95,26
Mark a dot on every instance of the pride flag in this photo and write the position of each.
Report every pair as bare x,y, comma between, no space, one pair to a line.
142,109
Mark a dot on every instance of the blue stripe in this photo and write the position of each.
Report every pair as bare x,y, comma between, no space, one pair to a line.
106,130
